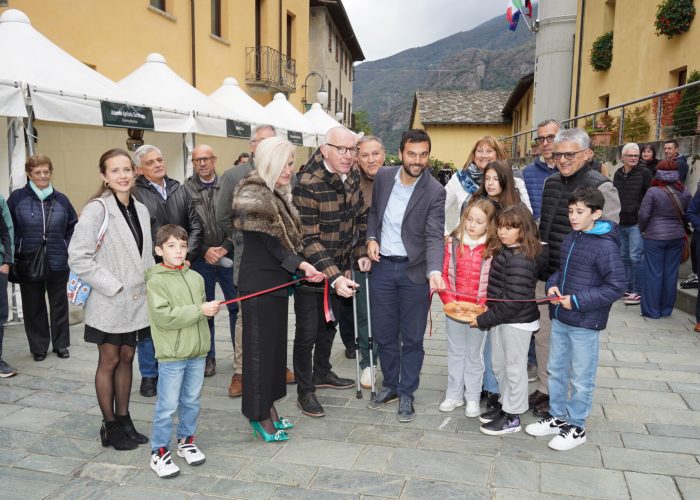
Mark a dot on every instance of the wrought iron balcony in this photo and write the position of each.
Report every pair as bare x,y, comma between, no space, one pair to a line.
270,68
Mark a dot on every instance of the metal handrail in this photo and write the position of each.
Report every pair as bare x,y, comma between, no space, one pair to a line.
270,67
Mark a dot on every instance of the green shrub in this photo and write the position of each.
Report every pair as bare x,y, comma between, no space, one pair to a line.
601,52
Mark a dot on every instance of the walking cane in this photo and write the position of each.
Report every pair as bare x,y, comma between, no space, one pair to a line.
370,344
357,345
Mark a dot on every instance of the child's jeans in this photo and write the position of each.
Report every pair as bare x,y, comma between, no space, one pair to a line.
490,383
465,361
179,388
573,359
509,347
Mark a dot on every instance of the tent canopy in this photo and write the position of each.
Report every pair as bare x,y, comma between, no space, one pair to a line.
285,116
231,95
320,120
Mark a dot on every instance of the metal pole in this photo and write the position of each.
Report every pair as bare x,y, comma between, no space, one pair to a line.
621,134
370,343
659,113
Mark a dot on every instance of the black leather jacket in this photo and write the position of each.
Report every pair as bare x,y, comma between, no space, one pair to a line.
205,200
177,209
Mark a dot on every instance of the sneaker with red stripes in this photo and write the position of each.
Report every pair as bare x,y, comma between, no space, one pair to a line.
189,451
162,464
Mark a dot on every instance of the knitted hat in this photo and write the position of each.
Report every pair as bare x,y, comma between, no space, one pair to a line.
667,165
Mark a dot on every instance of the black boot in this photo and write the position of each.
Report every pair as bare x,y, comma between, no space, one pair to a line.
129,430
112,434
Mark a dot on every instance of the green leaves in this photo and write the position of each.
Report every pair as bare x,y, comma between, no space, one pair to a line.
601,52
673,17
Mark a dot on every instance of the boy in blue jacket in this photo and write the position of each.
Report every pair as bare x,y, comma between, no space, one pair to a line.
590,278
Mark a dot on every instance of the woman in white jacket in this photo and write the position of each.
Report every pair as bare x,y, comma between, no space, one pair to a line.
115,312
464,183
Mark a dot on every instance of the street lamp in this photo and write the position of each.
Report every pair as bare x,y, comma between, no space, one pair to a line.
321,96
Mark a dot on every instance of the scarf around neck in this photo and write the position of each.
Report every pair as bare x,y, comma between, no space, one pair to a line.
470,178
42,194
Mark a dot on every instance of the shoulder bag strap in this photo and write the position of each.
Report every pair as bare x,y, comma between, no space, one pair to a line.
48,221
676,203
103,227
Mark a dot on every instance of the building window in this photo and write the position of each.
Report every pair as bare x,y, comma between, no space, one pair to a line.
337,48
216,17
335,109
682,76
290,35
4,3
330,38
159,4
330,93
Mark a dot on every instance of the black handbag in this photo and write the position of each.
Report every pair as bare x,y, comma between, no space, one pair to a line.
33,266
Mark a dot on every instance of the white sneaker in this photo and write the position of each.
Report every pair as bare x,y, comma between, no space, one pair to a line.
162,464
450,404
472,409
569,438
545,426
366,377
189,451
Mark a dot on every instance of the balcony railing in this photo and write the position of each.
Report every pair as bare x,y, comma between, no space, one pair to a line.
270,68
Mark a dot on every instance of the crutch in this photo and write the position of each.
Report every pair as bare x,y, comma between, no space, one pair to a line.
357,344
370,342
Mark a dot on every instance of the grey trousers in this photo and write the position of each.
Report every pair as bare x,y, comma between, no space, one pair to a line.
509,348
465,361
542,342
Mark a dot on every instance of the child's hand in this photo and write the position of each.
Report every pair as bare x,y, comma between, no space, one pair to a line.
554,290
473,323
565,301
210,308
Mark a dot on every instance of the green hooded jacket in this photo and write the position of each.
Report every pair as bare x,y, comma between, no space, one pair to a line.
179,329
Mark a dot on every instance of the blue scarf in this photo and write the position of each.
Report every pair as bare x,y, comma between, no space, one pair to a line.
470,178
41,193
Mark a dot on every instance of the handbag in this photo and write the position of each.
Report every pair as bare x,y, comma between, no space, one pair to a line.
685,252
32,266
78,290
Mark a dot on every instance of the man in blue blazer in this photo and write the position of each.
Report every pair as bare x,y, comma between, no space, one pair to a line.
405,240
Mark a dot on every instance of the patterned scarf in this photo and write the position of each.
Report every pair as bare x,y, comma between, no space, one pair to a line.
470,178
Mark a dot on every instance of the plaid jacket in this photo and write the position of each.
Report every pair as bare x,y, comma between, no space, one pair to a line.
333,217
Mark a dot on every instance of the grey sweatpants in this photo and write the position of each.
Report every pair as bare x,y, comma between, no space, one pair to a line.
509,347
465,361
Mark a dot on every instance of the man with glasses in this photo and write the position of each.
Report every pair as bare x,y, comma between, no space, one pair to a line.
539,170
631,181
334,221
570,155
212,263
168,202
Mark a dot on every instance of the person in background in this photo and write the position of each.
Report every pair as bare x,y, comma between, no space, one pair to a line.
39,211
544,165
671,153
7,245
242,158
648,157
692,214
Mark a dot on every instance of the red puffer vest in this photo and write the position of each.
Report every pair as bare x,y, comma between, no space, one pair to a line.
466,272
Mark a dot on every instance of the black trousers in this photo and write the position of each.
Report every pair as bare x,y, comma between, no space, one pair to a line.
36,317
693,251
312,334
3,308
346,321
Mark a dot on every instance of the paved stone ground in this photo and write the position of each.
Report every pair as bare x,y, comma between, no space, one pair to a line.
642,437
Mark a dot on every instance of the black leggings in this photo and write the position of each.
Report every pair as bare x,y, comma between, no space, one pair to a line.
113,379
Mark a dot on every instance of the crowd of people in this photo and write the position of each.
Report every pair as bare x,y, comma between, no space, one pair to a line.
541,254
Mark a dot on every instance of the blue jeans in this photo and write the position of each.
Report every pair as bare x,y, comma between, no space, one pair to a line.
490,382
573,359
148,365
179,387
662,258
631,251
224,276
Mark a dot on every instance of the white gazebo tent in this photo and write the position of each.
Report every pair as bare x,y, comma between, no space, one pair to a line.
321,121
230,94
285,117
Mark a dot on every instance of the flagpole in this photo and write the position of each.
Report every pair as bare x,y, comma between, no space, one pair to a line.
525,19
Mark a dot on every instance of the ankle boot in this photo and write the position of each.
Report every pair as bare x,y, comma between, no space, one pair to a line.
112,434
129,430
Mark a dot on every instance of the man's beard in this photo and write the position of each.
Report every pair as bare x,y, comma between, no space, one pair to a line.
407,169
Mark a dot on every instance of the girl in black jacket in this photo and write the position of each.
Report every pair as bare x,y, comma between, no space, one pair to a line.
513,277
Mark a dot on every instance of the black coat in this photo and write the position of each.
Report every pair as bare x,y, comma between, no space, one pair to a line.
631,187
512,276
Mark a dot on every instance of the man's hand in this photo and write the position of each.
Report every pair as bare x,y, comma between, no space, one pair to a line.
436,282
210,309
345,287
364,264
5,269
373,250
311,274
213,254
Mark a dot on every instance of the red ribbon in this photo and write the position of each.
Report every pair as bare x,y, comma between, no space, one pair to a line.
327,310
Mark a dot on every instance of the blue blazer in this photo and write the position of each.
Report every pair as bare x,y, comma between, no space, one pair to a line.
423,221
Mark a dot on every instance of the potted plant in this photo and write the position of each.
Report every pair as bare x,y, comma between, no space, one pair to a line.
601,52
673,17
600,131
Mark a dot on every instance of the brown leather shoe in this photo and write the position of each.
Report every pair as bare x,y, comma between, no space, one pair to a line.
290,377
536,398
210,367
697,327
236,387
542,409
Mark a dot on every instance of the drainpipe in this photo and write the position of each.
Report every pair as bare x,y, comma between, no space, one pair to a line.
194,45
580,55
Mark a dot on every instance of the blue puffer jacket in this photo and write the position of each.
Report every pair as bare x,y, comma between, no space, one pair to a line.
592,273
534,175
29,215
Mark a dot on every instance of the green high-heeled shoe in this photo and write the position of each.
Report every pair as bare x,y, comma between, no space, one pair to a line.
259,430
283,424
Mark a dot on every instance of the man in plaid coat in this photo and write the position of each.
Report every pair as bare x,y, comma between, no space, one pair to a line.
334,223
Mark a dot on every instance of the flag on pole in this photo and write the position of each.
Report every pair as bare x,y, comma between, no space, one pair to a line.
515,7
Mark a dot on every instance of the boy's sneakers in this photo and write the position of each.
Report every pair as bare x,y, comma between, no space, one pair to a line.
570,436
189,451
450,404
505,423
545,426
6,370
690,282
633,299
162,464
472,409
490,415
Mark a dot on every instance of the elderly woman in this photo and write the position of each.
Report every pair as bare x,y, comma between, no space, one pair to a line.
115,312
465,182
264,213
40,213
661,221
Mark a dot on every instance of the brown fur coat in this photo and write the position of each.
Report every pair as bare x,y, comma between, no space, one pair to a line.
257,209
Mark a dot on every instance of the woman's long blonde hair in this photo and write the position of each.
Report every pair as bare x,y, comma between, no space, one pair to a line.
493,143
492,242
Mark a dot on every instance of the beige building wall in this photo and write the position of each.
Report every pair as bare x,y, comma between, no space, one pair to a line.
522,121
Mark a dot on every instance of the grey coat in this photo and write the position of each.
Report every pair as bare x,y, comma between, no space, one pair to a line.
117,264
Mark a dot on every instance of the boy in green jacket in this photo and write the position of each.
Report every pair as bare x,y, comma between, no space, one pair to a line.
178,315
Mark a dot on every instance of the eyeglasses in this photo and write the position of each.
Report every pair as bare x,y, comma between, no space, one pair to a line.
203,159
631,156
343,150
569,155
540,139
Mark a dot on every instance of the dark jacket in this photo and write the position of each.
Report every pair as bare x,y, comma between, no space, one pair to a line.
682,164
658,215
592,273
204,200
534,176
631,188
7,234
554,219
29,215
650,165
177,209
692,213
512,276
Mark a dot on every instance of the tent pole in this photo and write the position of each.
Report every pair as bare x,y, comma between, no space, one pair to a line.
12,129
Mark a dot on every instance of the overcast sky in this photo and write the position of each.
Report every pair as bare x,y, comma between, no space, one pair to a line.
386,27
